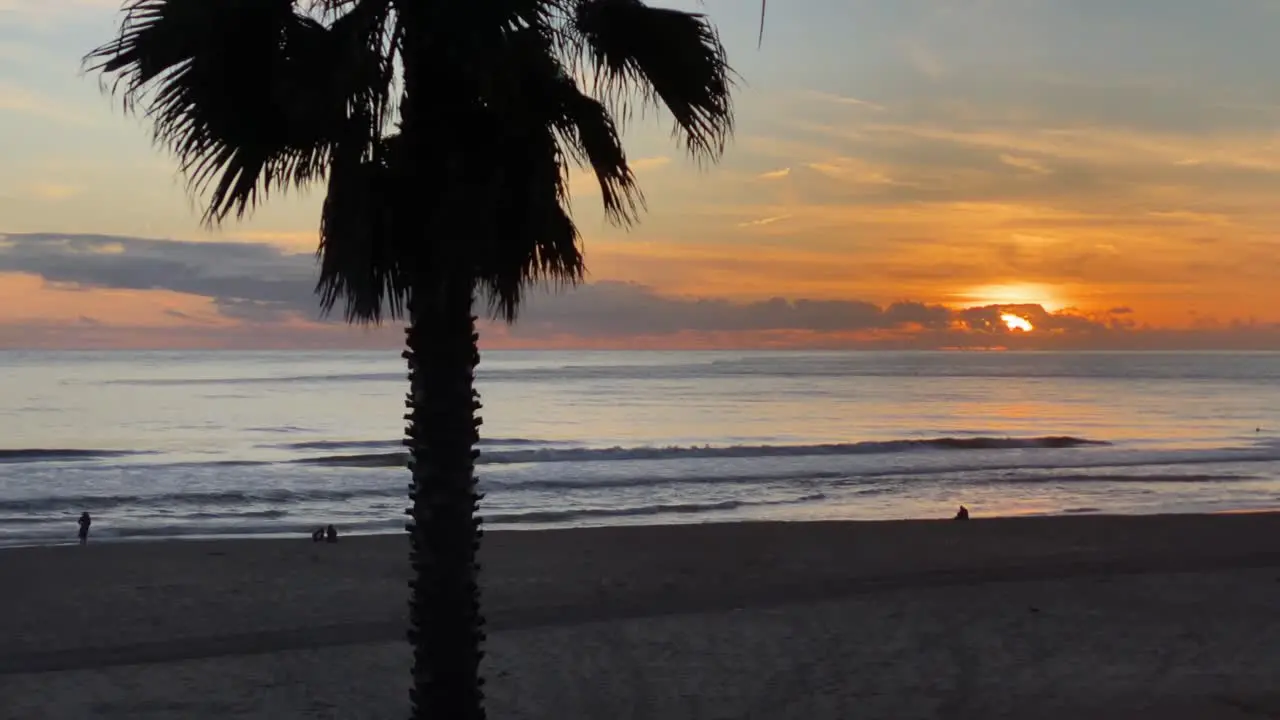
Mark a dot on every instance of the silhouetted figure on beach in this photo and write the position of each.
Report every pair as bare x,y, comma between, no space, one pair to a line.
318,535
330,534
963,514
85,521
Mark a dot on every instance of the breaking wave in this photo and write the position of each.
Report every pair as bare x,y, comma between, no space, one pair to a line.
588,513
546,455
266,496
344,444
56,454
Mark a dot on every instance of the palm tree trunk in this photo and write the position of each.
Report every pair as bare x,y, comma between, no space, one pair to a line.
445,624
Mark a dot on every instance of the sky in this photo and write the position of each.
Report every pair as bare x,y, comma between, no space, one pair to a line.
905,174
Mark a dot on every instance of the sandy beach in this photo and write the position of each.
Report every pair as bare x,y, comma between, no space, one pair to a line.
1164,616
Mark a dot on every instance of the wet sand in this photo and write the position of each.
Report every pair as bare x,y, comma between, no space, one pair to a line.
1170,616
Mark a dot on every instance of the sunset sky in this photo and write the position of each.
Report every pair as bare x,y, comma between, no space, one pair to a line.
905,172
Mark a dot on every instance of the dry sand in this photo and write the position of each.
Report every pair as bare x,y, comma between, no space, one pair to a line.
1169,617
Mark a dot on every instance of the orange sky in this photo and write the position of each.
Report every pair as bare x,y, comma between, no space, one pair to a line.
1082,157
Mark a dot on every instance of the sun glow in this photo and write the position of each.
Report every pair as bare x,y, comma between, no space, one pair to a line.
1011,294
1016,322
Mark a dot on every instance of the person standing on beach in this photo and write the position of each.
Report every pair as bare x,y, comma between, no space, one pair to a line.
85,522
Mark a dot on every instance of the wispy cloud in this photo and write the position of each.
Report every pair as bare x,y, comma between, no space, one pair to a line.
1260,151
1024,163
852,170
53,191
765,221
650,163
845,100
583,181
775,174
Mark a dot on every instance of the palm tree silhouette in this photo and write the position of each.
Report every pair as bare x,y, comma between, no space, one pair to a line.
445,130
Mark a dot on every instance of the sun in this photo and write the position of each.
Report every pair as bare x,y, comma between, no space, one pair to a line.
1017,322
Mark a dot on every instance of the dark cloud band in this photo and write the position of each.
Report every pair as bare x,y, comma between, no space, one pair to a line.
262,286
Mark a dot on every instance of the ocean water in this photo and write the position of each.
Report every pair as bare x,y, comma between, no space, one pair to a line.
194,444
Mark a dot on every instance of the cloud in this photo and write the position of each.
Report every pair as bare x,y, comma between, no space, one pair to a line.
845,100
852,171
1110,151
1023,163
775,174
1128,150
246,280
614,314
764,221
650,163
1159,197
614,309
53,191
261,296
620,309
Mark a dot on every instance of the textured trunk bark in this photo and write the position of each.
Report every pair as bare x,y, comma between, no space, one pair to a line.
445,624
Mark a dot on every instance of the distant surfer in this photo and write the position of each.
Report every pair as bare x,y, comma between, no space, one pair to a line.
85,521
318,535
963,514
331,534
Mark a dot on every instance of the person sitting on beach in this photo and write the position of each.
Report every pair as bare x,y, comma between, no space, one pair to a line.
963,514
330,534
318,535
84,521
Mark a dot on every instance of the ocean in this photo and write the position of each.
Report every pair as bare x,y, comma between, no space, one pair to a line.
209,444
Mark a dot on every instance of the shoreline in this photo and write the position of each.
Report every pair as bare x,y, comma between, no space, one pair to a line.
295,535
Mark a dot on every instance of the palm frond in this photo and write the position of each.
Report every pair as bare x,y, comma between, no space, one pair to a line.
535,237
588,132
760,39
194,67
543,123
667,57
361,254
